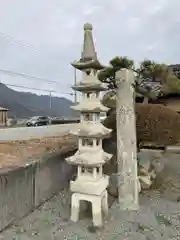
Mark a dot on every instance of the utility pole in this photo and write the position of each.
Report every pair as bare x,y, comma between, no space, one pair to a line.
75,82
50,99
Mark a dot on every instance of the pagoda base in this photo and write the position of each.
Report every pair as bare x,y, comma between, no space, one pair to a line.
85,186
91,190
99,205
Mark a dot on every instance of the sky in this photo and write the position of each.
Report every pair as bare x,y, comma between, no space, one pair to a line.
41,37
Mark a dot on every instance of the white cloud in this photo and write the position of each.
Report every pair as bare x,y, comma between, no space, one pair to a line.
91,9
139,29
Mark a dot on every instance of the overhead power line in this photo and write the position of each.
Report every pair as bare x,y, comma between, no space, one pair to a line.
38,89
11,39
27,76
22,44
12,73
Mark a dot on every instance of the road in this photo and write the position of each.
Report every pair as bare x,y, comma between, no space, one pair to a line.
26,133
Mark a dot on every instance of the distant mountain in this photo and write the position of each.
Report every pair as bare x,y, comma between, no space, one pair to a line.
22,104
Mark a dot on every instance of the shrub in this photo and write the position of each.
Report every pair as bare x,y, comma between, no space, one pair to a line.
155,124
109,99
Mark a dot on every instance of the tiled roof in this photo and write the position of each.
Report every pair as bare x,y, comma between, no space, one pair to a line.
151,85
3,109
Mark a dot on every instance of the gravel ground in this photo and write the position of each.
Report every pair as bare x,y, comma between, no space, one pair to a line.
158,217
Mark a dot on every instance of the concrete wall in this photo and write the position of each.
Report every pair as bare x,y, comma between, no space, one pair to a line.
16,194
50,177
25,133
25,188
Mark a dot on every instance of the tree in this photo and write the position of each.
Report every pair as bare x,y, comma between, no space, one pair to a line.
152,70
107,75
156,72
172,84
152,79
109,99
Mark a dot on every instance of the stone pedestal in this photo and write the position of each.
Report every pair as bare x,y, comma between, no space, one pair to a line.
99,206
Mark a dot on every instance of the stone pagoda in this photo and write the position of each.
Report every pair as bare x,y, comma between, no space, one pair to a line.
90,184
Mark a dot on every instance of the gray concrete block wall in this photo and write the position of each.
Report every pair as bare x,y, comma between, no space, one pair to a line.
25,188
16,194
50,177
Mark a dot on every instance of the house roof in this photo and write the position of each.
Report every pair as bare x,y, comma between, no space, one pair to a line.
174,66
149,84
3,109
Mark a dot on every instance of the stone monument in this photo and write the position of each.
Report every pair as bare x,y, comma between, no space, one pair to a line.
90,184
128,181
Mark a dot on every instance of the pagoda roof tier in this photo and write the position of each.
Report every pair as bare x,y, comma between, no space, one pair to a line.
90,106
89,156
89,83
91,129
83,64
88,87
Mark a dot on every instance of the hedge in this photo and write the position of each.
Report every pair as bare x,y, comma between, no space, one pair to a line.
155,124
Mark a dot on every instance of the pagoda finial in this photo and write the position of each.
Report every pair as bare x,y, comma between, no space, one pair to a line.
88,45
88,58
88,26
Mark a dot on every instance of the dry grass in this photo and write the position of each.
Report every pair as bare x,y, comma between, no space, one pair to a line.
15,152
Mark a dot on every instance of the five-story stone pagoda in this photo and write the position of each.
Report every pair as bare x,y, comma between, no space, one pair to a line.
90,184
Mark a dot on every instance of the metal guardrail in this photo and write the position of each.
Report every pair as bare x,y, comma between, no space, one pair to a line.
64,121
